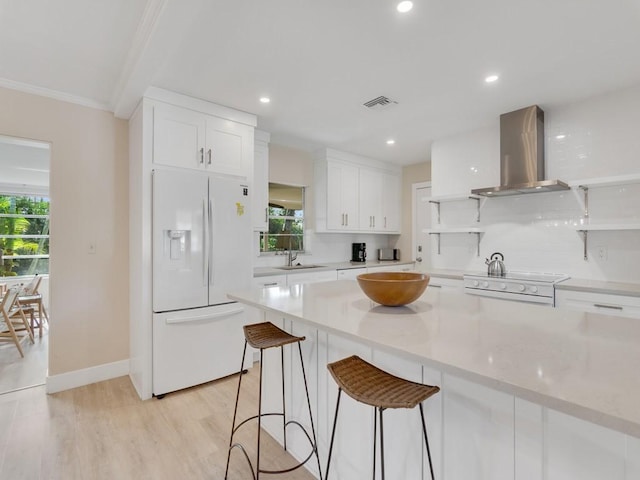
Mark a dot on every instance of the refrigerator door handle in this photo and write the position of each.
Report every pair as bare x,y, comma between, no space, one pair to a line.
210,249
205,259
199,318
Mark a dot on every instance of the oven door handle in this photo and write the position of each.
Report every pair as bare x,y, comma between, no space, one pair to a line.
610,307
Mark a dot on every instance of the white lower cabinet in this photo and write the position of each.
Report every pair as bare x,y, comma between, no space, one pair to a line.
447,284
475,432
297,408
311,277
478,432
577,449
352,448
350,273
403,436
406,267
272,383
606,304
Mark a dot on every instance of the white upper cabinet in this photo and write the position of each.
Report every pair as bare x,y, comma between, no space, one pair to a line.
342,196
178,137
187,138
391,203
356,194
370,200
260,209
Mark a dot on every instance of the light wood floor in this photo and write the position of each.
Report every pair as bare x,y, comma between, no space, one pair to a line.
17,372
104,431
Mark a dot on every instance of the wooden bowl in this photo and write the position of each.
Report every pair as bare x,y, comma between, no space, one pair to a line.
393,289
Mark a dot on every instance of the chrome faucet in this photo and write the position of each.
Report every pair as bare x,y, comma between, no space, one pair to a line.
291,257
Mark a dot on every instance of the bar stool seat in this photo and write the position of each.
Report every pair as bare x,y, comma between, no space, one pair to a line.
372,386
267,335
263,336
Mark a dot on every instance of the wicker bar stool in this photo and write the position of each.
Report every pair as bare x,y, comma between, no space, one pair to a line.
368,384
263,336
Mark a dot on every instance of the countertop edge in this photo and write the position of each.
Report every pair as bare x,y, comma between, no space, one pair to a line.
563,406
599,286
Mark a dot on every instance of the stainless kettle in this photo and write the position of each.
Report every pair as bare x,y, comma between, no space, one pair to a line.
496,266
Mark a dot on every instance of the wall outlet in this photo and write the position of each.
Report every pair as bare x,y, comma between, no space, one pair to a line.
601,252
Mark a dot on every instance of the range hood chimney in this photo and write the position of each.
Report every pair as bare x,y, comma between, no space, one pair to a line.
522,155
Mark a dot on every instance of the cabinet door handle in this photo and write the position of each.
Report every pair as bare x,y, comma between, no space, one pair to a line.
374,221
209,154
202,156
266,214
272,284
342,220
610,307
435,286
385,222
346,219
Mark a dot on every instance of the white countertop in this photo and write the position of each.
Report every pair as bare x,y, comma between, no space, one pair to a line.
582,364
599,286
269,271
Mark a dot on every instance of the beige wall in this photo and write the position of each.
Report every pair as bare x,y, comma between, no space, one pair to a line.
89,203
420,172
292,166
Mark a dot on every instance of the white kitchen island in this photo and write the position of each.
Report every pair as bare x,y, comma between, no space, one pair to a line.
528,392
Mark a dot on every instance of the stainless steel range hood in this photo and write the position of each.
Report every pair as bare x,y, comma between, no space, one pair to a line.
522,156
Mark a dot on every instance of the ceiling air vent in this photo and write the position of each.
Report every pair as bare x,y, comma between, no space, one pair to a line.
379,103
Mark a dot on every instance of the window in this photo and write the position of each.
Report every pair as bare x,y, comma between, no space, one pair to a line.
24,235
286,219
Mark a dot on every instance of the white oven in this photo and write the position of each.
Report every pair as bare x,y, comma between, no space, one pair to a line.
517,286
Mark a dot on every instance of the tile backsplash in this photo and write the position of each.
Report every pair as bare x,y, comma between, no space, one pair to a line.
593,139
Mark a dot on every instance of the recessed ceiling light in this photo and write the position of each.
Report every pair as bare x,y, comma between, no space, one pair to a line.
404,7
561,136
391,141
491,78
265,99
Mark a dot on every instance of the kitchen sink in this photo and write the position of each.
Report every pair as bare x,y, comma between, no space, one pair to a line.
299,267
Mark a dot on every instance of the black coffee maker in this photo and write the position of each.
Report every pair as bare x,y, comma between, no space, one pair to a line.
358,252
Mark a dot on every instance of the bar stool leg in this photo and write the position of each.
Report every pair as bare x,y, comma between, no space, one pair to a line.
426,441
333,434
284,410
313,428
259,415
375,440
381,443
235,410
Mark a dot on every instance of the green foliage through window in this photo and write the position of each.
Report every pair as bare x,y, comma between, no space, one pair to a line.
286,219
24,235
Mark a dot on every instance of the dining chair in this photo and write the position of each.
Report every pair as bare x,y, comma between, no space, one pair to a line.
14,320
30,297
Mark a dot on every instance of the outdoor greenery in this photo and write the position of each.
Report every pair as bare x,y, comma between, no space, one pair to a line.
24,232
286,228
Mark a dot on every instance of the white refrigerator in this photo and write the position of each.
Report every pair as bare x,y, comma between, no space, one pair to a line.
201,249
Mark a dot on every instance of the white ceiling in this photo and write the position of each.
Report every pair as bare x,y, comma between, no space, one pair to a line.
320,60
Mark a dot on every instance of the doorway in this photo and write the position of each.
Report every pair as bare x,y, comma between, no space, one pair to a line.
421,208
24,241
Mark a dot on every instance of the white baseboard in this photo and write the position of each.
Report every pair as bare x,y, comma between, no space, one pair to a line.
87,376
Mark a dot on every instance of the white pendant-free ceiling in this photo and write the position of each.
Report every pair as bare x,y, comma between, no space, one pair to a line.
319,62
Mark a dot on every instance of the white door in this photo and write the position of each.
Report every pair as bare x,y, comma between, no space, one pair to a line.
421,222
195,346
229,243
178,137
370,206
342,196
224,145
179,260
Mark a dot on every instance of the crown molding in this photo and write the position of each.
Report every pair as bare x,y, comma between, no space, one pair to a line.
54,94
